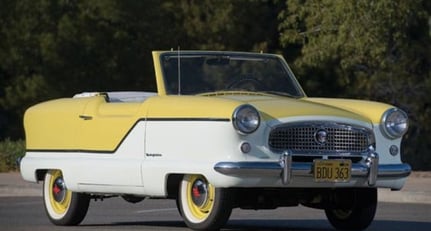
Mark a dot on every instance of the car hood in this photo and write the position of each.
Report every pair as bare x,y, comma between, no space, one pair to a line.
276,107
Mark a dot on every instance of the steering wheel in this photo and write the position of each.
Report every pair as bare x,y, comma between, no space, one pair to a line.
247,83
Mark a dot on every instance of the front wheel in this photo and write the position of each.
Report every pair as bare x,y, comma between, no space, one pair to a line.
203,206
63,206
359,216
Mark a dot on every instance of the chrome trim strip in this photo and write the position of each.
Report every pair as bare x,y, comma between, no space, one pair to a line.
248,169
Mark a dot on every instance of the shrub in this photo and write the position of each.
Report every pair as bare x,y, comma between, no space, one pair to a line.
10,151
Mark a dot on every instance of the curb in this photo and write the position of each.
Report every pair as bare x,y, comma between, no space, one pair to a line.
12,185
386,195
417,189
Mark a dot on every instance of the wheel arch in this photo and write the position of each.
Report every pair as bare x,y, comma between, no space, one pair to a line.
172,185
40,174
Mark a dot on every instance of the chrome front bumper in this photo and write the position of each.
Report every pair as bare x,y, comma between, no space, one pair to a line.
287,169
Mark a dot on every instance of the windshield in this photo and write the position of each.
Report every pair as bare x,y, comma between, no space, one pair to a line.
199,73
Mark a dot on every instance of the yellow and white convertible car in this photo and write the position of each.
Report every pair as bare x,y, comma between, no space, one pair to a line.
224,130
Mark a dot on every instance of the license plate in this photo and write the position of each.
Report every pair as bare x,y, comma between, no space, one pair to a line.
332,170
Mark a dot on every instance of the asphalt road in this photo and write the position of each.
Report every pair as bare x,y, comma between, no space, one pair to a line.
27,213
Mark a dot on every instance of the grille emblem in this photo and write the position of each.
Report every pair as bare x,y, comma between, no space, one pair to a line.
321,136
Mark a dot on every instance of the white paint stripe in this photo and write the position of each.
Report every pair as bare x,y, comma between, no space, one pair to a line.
156,210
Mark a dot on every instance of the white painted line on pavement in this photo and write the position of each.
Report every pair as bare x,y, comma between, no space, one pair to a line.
156,210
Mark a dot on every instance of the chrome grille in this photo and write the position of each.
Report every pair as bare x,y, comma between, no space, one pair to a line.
303,138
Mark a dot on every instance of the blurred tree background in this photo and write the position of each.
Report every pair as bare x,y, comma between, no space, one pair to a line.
373,50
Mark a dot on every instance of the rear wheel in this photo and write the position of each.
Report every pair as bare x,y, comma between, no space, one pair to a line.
359,216
63,206
203,206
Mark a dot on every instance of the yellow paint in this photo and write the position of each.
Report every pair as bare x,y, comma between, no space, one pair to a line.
273,107
57,125
158,71
191,107
109,124
369,109
291,108
53,124
92,124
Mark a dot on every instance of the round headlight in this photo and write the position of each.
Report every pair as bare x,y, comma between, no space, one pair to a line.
246,119
394,123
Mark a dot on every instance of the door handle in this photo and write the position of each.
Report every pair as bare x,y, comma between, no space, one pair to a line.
85,117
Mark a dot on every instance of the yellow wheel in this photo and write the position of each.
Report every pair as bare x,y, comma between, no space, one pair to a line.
203,206
63,206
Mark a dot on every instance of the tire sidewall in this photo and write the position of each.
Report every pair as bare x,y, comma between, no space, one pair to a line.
360,216
72,212
218,214
48,200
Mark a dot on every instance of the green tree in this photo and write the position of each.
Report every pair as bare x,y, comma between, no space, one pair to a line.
245,25
51,49
377,50
20,80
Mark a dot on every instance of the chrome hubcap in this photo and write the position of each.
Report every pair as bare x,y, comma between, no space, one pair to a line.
199,192
59,190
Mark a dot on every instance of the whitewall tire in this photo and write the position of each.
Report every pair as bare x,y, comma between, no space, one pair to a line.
203,206
63,206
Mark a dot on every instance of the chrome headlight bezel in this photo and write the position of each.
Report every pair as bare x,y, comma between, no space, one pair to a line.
246,119
394,123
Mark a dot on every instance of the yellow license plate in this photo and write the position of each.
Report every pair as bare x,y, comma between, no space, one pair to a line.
332,170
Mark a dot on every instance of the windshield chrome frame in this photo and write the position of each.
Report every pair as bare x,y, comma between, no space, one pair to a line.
177,55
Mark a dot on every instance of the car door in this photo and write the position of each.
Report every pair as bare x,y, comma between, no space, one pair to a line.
111,138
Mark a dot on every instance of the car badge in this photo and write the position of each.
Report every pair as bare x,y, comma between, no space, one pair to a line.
321,136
